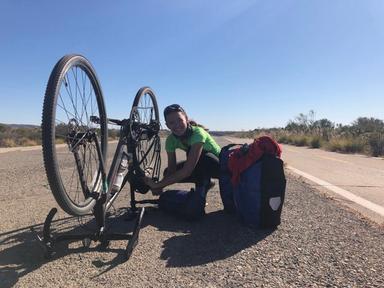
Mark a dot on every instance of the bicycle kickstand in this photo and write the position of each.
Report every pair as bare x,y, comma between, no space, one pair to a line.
47,241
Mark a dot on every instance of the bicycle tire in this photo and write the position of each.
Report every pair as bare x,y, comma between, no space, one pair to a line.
145,101
55,130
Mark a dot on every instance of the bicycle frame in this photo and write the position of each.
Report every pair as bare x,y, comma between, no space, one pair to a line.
126,140
105,199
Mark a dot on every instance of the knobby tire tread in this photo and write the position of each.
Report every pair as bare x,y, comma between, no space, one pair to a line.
48,124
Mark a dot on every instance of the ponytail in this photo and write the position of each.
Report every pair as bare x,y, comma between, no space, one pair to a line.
194,123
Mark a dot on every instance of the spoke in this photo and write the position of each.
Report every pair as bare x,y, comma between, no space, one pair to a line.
85,166
61,122
87,163
74,171
94,106
152,154
58,135
74,75
95,170
75,102
146,153
67,112
147,106
74,146
89,97
78,183
63,107
69,92
64,136
83,94
90,168
82,99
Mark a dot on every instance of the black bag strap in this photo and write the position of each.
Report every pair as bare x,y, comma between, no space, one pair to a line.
223,158
227,147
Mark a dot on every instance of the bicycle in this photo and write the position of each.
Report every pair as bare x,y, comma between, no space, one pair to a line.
75,140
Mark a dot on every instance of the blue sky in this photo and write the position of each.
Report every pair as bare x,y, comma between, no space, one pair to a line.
233,65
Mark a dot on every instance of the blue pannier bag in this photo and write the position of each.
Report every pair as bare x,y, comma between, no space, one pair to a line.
259,195
189,205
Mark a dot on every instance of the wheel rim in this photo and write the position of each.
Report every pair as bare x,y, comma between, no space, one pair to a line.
76,103
144,129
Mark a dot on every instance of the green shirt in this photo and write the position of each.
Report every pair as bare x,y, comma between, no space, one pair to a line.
199,135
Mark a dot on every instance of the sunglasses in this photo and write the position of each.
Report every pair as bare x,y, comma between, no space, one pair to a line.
172,108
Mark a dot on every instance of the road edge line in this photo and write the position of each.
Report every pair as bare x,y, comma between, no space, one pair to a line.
344,193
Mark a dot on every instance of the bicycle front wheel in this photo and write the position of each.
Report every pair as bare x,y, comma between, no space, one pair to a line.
74,118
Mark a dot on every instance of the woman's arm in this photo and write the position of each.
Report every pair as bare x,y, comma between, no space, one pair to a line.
176,176
171,163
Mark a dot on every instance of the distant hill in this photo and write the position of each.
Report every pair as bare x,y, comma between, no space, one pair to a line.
20,125
222,133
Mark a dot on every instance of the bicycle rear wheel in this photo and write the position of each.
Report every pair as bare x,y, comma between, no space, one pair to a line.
144,130
73,100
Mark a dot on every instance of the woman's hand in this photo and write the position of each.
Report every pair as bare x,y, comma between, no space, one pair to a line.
155,188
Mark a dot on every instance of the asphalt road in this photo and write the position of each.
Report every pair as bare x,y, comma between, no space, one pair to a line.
320,242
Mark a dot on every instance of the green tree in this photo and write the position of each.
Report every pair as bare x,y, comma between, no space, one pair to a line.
323,128
367,125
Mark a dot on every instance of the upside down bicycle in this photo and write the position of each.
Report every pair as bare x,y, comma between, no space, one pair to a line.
75,140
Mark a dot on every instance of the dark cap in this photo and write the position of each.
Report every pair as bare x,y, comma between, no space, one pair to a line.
172,108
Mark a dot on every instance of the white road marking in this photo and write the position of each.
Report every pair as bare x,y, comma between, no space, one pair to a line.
346,194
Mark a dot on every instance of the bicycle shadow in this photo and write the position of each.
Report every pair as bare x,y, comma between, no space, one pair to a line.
20,253
215,237
16,260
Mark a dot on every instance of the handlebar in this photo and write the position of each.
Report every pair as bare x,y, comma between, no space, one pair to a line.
151,129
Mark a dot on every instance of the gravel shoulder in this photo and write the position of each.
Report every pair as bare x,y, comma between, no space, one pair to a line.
320,243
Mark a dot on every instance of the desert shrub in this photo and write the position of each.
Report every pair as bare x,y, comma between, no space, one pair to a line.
376,144
3,128
289,139
26,142
315,142
363,125
346,145
7,142
300,140
354,146
282,139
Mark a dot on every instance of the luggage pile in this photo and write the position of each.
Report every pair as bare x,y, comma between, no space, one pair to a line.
252,182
